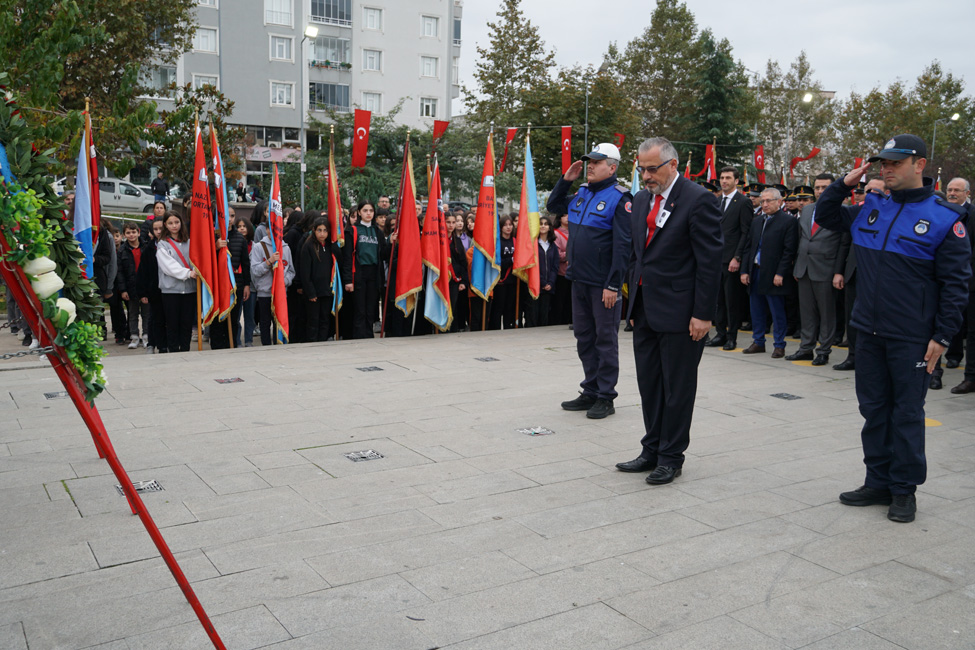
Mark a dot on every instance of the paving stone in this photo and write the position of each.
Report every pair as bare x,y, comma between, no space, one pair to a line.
719,633
12,636
382,631
254,627
27,566
466,575
947,623
743,509
853,639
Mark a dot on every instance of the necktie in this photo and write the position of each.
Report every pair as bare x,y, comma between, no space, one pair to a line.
815,226
652,218
724,203
758,253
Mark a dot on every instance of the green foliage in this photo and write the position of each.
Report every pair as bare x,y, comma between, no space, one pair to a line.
82,343
28,236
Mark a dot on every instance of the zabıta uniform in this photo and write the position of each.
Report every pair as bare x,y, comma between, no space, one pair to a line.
913,265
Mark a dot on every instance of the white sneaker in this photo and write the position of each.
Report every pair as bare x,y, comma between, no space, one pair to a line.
150,349
144,341
134,342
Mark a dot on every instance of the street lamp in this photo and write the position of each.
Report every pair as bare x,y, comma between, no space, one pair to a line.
806,98
602,68
310,32
953,118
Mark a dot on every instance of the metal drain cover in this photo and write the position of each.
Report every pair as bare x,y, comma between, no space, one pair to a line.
370,369
785,396
229,380
142,487
485,359
61,394
536,431
359,456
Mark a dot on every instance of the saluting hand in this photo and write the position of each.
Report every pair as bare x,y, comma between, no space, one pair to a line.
853,178
573,172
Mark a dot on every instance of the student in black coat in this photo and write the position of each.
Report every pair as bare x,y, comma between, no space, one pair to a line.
147,286
548,273
240,262
502,307
315,278
459,277
294,235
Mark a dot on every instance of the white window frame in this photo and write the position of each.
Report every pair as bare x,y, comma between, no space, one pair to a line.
455,71
197,75
423,26
216,40
436,106
289,84
436,65
215,4
365,22
291,13
348,109
290,39
155,90
379,101
379,52
314,48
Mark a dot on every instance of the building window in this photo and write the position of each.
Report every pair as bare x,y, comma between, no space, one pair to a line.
323,96
208,3
332,12
157,80
372,102
331,49
372,18
428,107
281,48
430,26
205,40
456,31
281,93
455,71
200,80
277,12
429,66
372,60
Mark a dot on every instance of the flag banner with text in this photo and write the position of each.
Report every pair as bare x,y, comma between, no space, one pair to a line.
486,256
279,295
203,248
409,265
226,287
436,258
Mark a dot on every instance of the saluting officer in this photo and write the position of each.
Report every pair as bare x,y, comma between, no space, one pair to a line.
913,269
598,252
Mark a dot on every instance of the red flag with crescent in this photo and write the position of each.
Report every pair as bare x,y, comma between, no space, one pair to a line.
360,141
799,159
857,163
439,128
760,163
620,138
566,148
509,136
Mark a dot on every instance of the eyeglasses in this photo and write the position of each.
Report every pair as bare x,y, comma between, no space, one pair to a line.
652,170
770,200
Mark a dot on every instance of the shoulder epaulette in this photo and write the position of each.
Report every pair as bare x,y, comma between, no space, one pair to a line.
623,189
957,209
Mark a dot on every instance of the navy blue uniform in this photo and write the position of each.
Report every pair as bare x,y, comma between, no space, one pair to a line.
913,266
598,251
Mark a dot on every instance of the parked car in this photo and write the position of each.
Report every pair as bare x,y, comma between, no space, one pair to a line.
121,196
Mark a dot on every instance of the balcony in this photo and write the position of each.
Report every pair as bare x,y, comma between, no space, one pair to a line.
330,65
277,17
324,20
456,42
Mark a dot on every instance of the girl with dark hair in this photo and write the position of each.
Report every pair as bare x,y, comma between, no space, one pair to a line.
502,308
147,286
537,314
315,269
460,274
294,234
259,219
262,277
237,248
561,313
370,249
177,282
243,227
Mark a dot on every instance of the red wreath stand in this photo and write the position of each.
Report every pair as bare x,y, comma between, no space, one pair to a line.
45,333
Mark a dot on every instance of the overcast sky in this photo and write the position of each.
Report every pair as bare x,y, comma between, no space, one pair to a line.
852,45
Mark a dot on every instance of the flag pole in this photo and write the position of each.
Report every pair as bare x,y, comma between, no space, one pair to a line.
199,283
230,332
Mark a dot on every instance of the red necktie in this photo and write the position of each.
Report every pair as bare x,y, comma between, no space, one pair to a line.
815,227
652,218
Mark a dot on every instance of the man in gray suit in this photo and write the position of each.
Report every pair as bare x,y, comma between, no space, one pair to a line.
818,266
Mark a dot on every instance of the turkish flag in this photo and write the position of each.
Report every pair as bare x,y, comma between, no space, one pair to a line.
799,159
760,163
857,163
360,141
509,136
566,148
203,247
439,127
619,140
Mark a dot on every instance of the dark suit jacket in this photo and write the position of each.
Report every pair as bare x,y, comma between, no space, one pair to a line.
818,255
779,244
681,268
735,222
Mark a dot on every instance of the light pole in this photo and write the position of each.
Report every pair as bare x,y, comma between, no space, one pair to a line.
953,118
310,32
602,68
806,98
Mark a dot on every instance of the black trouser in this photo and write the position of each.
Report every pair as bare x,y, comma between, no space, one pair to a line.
365,301
296,315
157,324
969,362
539,311
503,306
850,297
730,301
478,305
179,312
562,302
267,320
319,318
120,324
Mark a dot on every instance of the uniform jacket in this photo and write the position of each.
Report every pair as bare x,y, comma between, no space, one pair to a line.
681,268
779,244
913,261
735,221
819,255
599,231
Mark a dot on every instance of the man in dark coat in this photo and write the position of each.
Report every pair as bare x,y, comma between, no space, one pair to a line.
766,269
736,219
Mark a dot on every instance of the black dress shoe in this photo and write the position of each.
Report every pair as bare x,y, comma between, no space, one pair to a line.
730,344
952,363
639,464
964,388
800,356
902,508
866,496
847,364
663,475
821,360
582,403
627,327
936,383
600,409
842,344
717,342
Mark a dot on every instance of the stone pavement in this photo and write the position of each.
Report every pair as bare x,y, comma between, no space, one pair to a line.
469,534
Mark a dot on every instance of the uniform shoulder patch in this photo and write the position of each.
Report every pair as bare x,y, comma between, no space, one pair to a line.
622,189
959,229
628,207
957,209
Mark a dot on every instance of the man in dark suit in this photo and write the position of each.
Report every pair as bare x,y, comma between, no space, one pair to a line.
736,219
818,267
959,192
675,270
766,270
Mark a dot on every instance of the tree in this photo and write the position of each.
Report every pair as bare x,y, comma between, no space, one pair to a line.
58,52
656,69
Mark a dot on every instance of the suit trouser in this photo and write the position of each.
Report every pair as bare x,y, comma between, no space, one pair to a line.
758,304
730,304
597,340
666,372
850,298
969,361
817,308
891,383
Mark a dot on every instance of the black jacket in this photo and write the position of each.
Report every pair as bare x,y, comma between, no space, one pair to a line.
548,266
125,281
240,259
458,260
779,242
315,269
147,276
735,222
103,260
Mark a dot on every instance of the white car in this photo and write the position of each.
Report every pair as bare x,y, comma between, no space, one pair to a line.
122,196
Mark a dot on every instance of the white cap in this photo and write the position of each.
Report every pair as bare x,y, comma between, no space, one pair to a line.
603,151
